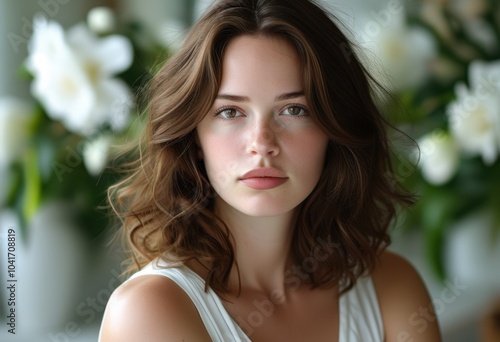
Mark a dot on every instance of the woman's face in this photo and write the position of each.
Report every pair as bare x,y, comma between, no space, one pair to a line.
262,152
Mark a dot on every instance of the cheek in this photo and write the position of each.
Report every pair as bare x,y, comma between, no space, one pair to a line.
217,141
219,148
219,157
312,151
310,160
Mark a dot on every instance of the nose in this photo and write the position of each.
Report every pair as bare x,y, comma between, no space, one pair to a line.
263,139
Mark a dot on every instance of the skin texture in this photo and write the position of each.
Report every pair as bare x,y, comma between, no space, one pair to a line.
152,308
256,127
404,302
263,133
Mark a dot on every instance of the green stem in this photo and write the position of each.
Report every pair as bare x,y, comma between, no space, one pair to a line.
32,193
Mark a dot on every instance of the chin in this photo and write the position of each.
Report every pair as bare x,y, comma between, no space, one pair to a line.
265,212
265,208
261,205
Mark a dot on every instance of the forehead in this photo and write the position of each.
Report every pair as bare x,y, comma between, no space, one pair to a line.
264,45
251,60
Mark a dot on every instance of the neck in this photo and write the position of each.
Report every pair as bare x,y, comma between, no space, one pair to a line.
262,249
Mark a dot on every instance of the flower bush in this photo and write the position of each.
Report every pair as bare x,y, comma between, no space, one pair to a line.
83,82
454,115
74,76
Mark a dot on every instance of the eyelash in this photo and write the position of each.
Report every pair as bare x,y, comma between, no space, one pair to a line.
219,111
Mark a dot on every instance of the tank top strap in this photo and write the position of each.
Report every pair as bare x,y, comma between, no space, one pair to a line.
360,317
217,321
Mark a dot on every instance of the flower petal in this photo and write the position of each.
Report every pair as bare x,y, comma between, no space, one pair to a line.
111,55
95,154
115,54
48,40
101,20
473,121
115,103
66,95
439,157
485,75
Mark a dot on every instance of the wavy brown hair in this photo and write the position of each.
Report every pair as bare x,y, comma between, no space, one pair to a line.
165,201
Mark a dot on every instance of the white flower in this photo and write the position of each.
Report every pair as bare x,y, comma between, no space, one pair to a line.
16,116
485,75
475,114
404,52
95,154
439,157
101,20
74,75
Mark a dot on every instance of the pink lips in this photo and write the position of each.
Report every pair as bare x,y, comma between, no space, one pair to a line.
264,178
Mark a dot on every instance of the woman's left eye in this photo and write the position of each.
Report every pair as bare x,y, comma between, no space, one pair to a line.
295,110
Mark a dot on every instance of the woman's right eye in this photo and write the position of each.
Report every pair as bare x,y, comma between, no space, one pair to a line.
228,113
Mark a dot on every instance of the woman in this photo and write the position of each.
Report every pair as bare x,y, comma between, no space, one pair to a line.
259,205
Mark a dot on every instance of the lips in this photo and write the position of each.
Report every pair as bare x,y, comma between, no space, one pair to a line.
264,178
264,172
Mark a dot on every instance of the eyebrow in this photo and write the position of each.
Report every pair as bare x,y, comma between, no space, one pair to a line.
238,98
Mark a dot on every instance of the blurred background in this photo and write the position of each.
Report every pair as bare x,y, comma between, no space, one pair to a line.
70,70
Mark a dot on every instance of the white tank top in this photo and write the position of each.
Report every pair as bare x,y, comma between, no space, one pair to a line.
359,313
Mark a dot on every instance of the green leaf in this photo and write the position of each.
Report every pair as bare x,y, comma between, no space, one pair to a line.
14,185
495,201
438,209
32,190
435,242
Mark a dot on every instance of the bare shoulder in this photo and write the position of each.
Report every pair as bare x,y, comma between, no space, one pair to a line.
152,308
406,306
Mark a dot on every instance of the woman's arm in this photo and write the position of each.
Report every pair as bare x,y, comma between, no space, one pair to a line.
406,307
151,308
